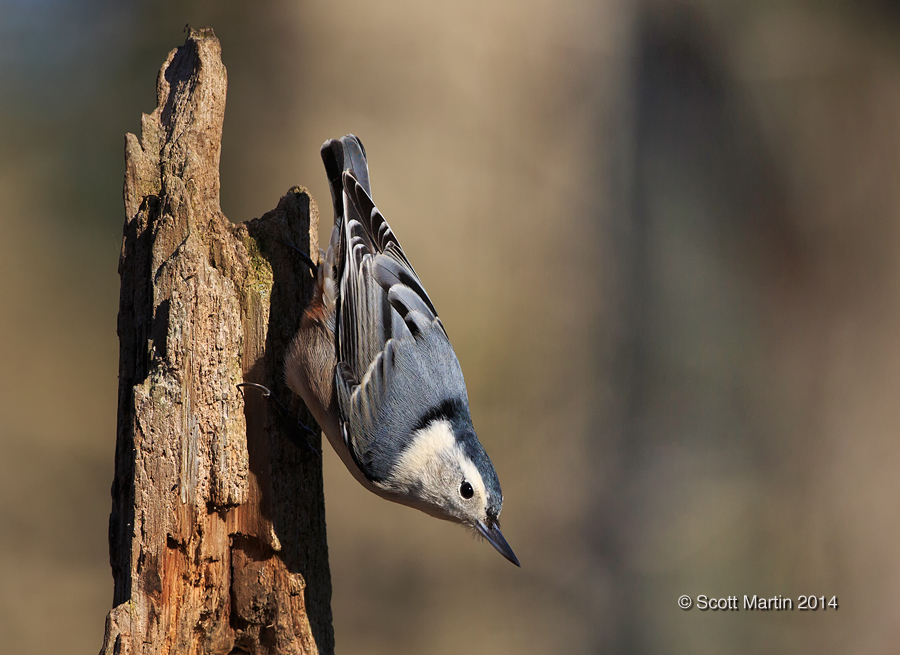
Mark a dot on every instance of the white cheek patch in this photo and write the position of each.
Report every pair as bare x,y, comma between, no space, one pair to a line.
421,462
428,443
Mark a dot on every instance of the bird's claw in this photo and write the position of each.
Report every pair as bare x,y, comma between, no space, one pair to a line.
291,427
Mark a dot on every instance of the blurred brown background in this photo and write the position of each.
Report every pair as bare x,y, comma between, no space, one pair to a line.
663,236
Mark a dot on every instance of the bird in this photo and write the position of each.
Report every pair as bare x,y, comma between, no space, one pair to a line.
374,365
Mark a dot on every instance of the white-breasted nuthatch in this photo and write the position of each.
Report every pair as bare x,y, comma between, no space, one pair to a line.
373,364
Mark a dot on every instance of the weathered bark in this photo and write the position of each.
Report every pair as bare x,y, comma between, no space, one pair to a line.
217,531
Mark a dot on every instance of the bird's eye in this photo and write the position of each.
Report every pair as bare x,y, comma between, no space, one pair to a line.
466,490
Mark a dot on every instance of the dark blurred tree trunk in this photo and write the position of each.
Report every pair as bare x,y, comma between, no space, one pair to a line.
217,531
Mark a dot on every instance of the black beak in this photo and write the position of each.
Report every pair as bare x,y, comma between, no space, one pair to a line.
492,534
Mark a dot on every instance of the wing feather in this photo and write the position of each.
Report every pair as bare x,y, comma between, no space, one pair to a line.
391,344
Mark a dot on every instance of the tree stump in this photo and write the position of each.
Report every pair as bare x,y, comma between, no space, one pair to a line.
217,531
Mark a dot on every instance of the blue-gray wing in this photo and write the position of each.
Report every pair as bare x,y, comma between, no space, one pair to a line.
396,366
413,379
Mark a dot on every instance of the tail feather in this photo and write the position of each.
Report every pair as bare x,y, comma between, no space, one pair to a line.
340,155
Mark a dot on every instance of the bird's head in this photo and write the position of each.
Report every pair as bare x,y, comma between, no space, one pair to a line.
444,471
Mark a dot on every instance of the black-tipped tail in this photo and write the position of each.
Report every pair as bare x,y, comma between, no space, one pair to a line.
344,154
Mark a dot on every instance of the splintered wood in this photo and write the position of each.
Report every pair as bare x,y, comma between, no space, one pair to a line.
217,531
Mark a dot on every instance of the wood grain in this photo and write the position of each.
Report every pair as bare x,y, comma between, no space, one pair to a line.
217,531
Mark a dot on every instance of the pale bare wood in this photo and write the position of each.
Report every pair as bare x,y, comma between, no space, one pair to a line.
217,531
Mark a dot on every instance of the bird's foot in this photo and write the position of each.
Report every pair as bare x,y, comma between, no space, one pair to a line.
295,430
